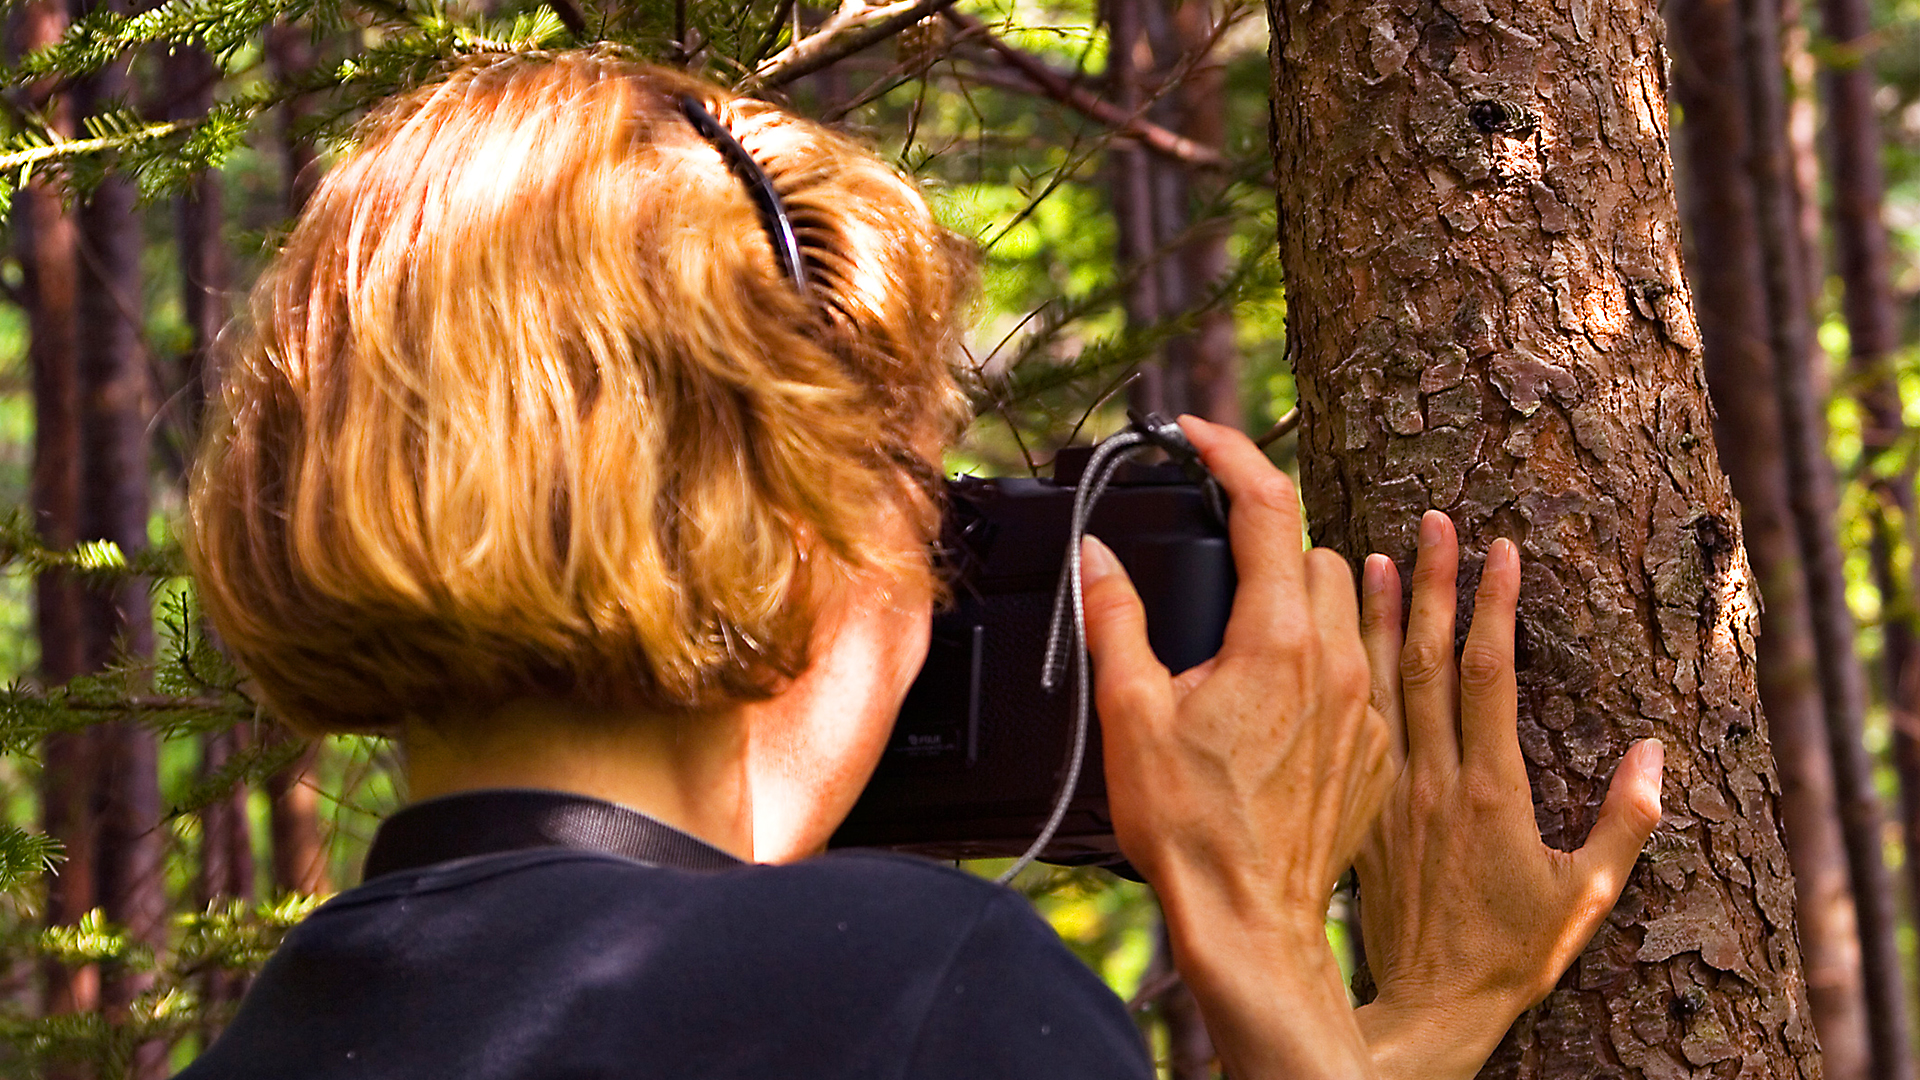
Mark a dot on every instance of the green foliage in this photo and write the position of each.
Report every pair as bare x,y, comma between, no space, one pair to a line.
25,855
226,936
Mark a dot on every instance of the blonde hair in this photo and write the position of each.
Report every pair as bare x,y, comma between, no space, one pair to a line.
527,407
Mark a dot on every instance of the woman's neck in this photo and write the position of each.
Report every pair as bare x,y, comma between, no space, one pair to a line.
688,771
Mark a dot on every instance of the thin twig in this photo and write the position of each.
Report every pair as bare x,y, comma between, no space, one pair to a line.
1081,100
1281,428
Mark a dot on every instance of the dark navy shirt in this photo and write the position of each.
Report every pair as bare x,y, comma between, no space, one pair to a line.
537,953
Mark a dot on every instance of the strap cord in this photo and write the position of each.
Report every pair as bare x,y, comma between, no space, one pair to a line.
1067,635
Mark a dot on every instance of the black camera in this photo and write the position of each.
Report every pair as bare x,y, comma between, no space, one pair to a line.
980,751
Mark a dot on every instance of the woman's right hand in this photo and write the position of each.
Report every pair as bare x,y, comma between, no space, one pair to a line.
1243,787
1468,917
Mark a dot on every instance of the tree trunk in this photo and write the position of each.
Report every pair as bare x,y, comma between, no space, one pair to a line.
299,855
198,215
1730,293
1209,356
226,867
1860,256
1131,184
1487,315
1803,144
290,53
115,408
44,239
1816,517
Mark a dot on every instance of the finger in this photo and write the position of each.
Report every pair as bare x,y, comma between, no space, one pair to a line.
1263,526
1336,608
1128,680
1627,819
1428,684
1489,706
1341,656
1380,630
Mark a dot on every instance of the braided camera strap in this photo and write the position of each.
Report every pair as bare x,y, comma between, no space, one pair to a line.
1067,636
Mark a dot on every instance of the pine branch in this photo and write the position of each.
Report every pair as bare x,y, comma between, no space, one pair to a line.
850,30
71,148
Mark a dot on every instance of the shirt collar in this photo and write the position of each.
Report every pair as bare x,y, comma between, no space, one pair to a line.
490,822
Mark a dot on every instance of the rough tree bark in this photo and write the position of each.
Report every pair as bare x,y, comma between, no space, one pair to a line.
1726,272
44,239
115,402
1488,315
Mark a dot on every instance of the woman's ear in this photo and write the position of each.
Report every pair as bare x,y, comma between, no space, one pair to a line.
812,746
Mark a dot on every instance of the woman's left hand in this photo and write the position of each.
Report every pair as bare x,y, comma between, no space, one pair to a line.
1468,917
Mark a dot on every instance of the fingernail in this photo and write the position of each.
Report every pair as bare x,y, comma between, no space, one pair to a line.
1430,528
1503,556
1373,576
1096,560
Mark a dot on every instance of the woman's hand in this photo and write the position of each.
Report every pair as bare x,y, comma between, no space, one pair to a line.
1243,787
1468,918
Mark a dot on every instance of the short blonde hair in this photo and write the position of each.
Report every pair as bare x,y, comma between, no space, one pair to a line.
527,408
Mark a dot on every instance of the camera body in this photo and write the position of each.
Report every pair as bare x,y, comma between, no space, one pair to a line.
979,751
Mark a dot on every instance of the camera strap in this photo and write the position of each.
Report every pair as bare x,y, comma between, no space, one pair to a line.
1067,635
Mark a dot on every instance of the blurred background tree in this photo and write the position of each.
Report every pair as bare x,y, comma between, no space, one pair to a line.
1111,157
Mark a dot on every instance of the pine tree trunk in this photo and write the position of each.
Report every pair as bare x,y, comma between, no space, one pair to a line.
1487,315
1725,269
1860,256
1803,145
1209,355
290,53
115,401
1815,506
299,856
226,870
1130,176
44,242
198,214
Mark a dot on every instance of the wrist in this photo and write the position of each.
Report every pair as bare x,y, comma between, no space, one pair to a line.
1268,986
1440,1040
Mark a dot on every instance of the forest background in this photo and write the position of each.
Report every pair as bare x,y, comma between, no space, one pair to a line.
1113,159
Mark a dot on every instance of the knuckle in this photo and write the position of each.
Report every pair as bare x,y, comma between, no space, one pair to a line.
1481,667
1482,793
1350,676
1130,694
1425,795
1274,492
1112,605
1328,561
1423,663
